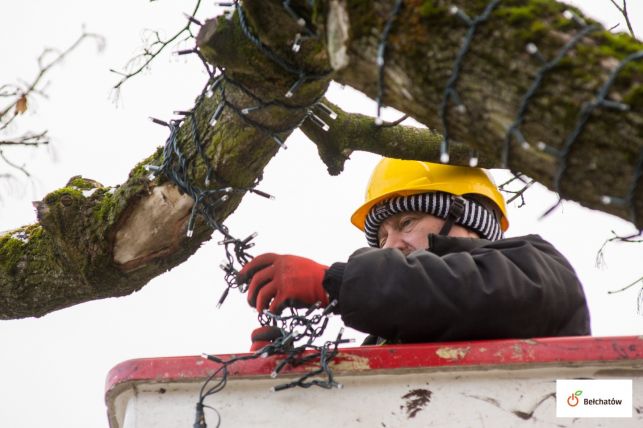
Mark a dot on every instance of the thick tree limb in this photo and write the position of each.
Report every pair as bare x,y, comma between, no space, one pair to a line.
496,73
94,242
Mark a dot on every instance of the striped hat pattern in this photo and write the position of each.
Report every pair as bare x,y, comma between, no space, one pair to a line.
475,217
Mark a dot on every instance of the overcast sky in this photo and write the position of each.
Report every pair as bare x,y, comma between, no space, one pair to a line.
52,369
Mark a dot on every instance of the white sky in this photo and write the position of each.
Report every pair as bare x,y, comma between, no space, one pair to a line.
52,370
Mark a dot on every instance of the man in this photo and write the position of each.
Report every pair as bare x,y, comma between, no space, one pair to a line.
438,268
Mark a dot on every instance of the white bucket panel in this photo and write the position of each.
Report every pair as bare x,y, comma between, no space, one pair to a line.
515,397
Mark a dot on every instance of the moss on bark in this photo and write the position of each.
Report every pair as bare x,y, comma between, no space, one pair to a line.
68,257
496,73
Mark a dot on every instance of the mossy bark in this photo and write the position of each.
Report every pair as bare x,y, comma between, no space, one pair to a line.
351,132
92,241
496,73
81,248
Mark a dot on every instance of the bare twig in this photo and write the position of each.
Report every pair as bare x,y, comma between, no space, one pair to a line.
9,90
517,176
520,193
600,255
26,140
396,122
21,93
623,10
516,193
627,286
153,50
16,166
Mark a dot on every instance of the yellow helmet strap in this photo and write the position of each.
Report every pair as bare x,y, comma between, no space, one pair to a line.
456,210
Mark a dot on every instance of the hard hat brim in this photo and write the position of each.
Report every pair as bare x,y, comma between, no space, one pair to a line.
359,216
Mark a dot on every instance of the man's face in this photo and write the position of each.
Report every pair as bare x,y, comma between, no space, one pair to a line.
409,231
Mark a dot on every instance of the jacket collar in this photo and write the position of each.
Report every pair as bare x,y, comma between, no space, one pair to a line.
441,245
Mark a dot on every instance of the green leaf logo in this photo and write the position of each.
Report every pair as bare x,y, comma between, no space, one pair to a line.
578,393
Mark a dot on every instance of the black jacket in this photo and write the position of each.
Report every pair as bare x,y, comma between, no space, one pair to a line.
460,289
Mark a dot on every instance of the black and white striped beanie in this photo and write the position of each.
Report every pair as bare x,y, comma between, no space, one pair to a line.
475,216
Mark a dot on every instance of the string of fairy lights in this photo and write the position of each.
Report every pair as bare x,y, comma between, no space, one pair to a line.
513,132
601,101
450,90
176,164
514,129
297,331
380,59
295,344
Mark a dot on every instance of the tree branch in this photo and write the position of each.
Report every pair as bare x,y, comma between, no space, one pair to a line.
155,48
22,92
93,242
26,140
351,131
14,165
557,146
623,10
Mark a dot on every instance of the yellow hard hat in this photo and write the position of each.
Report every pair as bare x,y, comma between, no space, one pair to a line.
397,177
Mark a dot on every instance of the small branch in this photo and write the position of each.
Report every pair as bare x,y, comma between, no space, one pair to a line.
516,176
519,193
623,10
22,93
151,52
351,131
9,90
18,167
27,140
600,255
626,287
396,122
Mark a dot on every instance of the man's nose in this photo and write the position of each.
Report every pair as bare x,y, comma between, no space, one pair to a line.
396,240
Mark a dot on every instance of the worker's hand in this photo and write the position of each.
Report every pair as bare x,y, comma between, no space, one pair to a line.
264,336
277,281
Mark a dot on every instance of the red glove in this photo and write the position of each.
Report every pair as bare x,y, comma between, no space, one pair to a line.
285,280
263,336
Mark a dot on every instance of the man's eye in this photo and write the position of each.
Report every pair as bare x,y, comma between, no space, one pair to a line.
406,223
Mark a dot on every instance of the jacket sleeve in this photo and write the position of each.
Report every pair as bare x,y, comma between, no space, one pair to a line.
511,288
